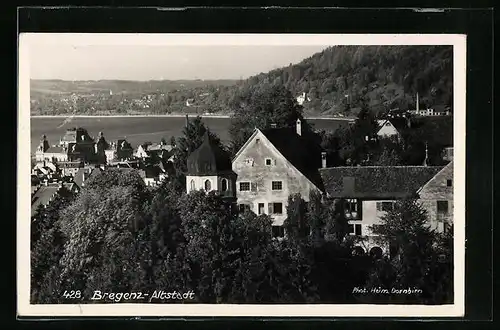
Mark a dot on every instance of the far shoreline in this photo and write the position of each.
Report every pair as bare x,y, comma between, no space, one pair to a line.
169,116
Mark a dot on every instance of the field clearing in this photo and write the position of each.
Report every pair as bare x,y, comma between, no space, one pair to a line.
137,130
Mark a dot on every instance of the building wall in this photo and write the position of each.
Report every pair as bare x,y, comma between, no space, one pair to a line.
261,175
41,156
387,130
437,189
215,182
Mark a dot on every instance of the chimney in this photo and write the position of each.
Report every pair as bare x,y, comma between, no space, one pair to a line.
273,125
417,105
323,159
426,155
299,127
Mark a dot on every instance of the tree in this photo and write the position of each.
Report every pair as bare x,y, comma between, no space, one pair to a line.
191,139
316,215
296,224
260,108
336,222
388,157
406,230
47,247
104,225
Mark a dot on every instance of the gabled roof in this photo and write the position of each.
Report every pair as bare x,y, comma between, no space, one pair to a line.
376,182
447,168
300,150
56,150
42,197
208,159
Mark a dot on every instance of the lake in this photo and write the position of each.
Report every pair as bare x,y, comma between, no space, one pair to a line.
137,130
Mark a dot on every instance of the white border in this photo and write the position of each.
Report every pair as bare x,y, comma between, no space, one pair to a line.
180,310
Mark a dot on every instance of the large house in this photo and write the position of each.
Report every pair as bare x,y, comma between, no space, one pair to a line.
76,144
273,164
277,162
370,191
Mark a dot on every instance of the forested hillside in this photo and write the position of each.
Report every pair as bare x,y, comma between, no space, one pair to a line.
336,80
340,77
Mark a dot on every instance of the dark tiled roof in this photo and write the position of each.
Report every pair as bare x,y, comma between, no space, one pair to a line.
56,150
376,182
302,151
208,159
42,197
400,123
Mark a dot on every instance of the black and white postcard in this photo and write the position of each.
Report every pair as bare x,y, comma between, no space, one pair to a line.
260,175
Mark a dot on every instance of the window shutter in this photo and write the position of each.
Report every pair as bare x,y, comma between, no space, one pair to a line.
254,186
270,208
274,162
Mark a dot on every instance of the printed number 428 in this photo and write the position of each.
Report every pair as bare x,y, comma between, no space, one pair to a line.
72,294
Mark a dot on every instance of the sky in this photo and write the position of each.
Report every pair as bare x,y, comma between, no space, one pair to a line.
158,62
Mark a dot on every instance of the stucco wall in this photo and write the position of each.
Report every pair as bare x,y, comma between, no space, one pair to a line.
215,181
436,190
387,131
262,175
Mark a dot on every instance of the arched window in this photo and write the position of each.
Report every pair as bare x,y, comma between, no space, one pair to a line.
208,185
224,185
358,251
192,185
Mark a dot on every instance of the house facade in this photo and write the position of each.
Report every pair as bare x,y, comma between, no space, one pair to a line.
369,192
387,129
272,165
436,196
209,169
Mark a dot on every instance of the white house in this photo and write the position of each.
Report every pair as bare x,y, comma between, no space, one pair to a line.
369,192
273,164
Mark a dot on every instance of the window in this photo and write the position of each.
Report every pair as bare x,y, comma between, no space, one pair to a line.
278,231
244,207
192,185
351,228
244,186
261,208
352,209
269,161
277,185
208,185
385,206
275,208
357,230
249,161
442,207
449,183
224,185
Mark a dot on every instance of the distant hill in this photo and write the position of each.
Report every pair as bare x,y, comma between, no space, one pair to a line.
336,80
121,86
340,77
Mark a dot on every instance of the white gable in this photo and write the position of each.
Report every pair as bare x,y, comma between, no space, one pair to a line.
386,129
240,156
